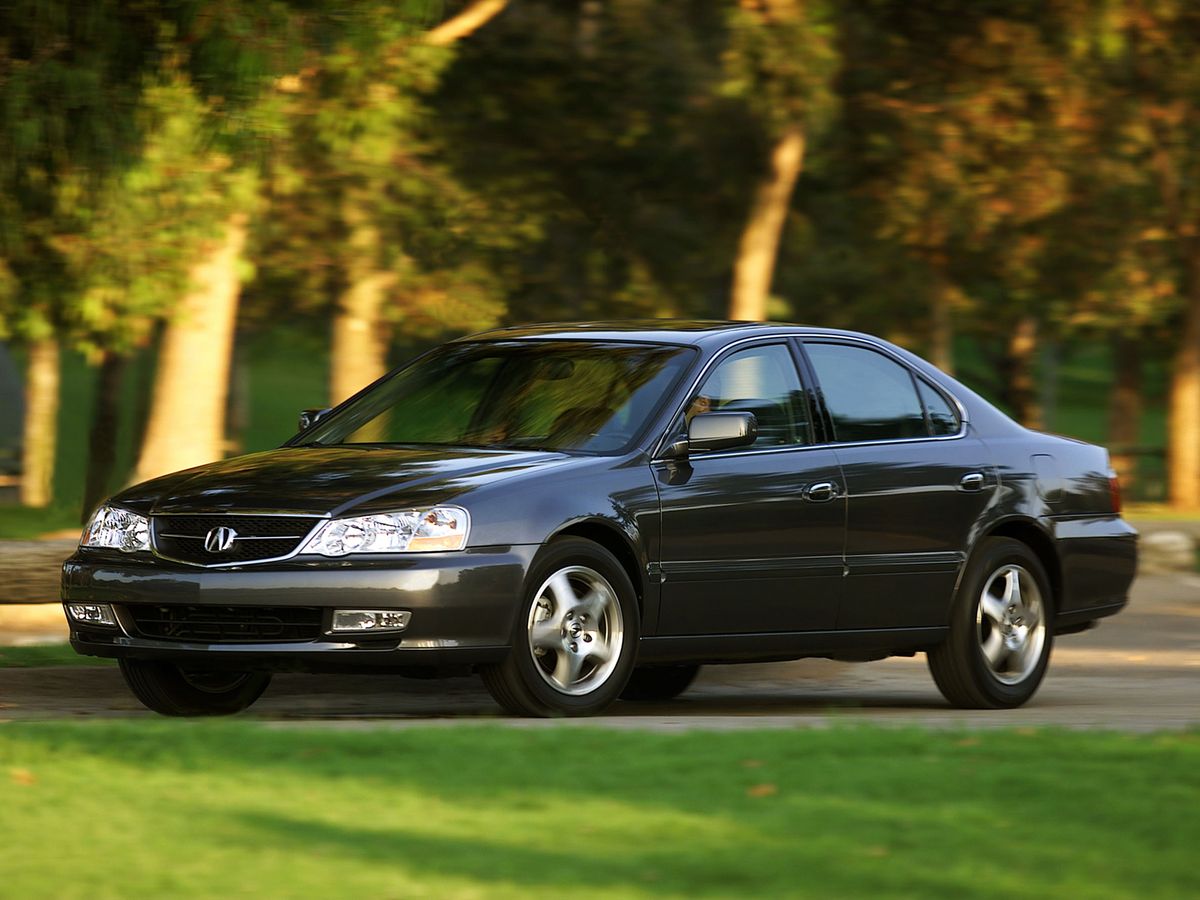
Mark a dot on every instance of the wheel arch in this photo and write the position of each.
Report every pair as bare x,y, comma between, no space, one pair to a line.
616,542
1035,537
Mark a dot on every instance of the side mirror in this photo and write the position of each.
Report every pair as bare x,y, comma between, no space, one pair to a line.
677,449
310,417
722,430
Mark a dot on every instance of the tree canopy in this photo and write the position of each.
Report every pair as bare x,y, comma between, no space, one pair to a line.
1015,174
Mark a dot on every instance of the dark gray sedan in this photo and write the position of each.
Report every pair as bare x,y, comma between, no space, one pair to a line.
587,512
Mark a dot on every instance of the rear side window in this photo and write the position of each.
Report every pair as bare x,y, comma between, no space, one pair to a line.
942,417
869,396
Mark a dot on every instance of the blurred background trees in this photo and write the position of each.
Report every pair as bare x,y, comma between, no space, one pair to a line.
208,209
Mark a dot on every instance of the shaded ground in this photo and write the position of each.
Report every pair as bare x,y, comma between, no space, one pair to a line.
1137,671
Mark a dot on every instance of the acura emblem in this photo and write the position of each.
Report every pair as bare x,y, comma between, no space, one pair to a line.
219,539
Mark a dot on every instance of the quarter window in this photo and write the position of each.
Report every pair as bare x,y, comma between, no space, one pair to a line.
763,381
942,417
869,397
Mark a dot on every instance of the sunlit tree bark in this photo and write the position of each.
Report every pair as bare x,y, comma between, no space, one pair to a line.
186,425
1019,379
360,339
754,267
1183,411
41,423
471,19
941,327
1125,406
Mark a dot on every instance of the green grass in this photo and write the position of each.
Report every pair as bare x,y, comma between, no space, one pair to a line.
46,655
135,809
22,523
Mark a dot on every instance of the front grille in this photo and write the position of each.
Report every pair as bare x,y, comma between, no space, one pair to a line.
227,624
255,537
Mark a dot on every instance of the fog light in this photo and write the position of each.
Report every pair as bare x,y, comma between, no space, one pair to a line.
92,613
370,619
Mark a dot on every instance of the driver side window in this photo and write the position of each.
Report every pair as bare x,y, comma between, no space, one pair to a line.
763,381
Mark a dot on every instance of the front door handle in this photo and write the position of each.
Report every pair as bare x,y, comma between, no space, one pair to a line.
972,481
822,492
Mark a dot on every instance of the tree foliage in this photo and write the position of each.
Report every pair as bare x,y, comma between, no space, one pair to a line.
985,169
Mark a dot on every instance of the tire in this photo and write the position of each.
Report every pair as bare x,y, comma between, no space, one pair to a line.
554,668
1001,629
167,689
659,682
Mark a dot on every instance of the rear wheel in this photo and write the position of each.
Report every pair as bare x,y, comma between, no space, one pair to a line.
998,647
659,682
172,691
575,637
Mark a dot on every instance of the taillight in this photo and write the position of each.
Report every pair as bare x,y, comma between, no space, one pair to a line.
1114,491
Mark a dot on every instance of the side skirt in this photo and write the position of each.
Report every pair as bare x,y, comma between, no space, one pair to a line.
850,644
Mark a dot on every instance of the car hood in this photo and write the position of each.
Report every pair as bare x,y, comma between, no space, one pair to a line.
333,480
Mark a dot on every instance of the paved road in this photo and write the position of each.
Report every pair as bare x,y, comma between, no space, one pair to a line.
1137,671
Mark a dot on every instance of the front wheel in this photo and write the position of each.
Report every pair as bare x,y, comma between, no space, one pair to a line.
1001,630
575,637
172,691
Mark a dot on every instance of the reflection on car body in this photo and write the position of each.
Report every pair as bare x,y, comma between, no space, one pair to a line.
592,511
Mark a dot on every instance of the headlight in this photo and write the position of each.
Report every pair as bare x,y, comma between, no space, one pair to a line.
117,528
411,531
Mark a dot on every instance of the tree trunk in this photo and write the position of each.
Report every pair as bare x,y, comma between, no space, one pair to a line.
359,354
470,20
1125,407
1019,378
941,328
1047,398
102,438
360,339
186,426
590,12
360,335
755,265
144,386
42,378
1183,414
237,407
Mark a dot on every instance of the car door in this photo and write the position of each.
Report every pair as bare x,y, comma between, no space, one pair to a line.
917,481
752,538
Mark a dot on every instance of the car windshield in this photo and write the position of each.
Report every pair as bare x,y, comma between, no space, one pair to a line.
549,395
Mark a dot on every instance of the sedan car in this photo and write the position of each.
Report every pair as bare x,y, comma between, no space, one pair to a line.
591,511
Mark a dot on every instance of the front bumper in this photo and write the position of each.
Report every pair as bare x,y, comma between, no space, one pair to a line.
463,606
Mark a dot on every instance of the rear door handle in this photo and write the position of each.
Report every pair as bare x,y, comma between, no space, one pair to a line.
821,492
972,481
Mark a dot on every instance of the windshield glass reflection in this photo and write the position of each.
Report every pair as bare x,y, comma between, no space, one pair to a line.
547,395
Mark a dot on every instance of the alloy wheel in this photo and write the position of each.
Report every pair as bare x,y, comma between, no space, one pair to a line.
575,630
1010,624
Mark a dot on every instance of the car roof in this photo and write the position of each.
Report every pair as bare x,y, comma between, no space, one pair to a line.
658,331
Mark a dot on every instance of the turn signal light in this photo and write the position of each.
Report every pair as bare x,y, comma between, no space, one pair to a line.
1114,491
